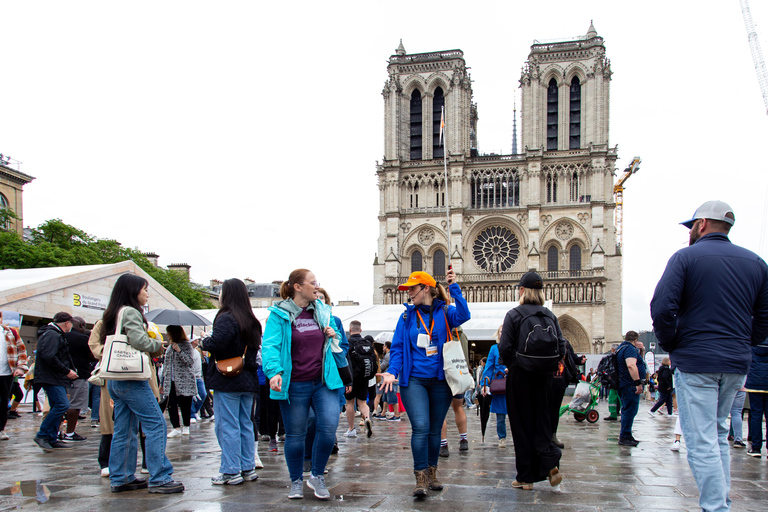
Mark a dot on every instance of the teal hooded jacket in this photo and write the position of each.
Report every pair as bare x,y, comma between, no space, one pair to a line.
276,346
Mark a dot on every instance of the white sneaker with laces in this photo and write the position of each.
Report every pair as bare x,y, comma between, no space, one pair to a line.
651,413
350,433
185,431
192,420
675,446
174,433
105,472
3,436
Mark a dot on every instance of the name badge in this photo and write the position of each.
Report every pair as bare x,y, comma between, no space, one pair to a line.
422,341
432,350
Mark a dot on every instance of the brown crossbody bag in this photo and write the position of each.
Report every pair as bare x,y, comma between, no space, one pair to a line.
232,366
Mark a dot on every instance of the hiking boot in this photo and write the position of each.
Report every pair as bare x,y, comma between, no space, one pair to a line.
130,486
556,442
434,483
463,445
554,477
628,441
444,451
297,490
422,482
522,485
171,487
317,484
250,475
228,479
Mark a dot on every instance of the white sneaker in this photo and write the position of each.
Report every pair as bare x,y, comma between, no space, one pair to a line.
350,433
675,446
651,413
105,472
503,442
143,471
197,417
174,433
185,431
192,420
3,436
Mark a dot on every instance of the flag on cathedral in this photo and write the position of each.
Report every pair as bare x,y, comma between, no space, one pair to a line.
442,124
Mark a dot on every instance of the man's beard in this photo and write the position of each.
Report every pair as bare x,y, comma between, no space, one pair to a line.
694,235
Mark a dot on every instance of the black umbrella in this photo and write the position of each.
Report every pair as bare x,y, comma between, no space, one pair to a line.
485,411
176,317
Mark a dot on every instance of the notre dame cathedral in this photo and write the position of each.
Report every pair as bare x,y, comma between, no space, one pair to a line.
549,207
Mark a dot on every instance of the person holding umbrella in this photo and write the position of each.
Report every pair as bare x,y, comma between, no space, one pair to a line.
494,369
416,359
178,381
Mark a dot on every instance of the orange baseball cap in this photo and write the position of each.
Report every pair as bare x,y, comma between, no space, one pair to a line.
418,278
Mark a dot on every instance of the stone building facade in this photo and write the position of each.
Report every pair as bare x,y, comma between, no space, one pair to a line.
12,182
549,208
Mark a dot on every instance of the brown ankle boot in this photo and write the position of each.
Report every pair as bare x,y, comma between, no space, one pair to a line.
434,483
422,482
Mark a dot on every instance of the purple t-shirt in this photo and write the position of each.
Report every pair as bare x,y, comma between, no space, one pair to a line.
306,348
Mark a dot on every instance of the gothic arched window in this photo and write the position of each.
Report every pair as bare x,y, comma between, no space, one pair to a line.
574,187
438,263
551,115
574,141
416,261
438,102
551,188
552,259
575,263
416,125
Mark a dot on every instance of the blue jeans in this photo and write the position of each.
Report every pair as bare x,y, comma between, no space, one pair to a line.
197,404
95,401
736,419
134,403
324,403
704,401
234,431
427,402
630,402
57,398
501,425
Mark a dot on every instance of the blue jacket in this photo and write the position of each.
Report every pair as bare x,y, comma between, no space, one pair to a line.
757,379
400,363
276,347
493,366
710,305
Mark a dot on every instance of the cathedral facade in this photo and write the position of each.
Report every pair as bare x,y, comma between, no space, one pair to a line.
549,207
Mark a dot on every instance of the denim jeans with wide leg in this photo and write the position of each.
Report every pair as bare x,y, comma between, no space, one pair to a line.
325,403
704,401
57,398
630,402
234,431
134,403
427,402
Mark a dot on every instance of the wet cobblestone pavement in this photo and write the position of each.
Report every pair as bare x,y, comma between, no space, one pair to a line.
376,474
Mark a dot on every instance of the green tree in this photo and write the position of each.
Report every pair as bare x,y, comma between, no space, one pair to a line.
58,244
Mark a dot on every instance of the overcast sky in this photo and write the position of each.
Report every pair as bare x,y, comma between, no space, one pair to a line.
242,137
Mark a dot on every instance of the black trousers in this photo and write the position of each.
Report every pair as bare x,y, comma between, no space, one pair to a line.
554,412
174,402
104,448
529,398
6,381
270,422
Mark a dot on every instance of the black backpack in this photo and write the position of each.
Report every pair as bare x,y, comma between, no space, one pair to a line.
608,371
363,358
537,342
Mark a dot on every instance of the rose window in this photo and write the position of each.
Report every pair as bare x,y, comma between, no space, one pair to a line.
496,249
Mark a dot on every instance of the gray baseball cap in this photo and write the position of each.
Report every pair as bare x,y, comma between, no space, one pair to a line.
715,210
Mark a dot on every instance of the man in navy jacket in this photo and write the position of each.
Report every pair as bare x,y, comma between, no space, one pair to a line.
710,305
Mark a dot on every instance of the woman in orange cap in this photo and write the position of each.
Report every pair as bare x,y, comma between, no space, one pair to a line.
416,360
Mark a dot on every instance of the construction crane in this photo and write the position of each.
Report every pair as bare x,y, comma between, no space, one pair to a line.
757,53
618,195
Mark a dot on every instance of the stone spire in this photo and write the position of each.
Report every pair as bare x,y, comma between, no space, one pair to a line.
514,127
590,33
401,49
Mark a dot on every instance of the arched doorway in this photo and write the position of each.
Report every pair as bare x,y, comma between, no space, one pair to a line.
576,334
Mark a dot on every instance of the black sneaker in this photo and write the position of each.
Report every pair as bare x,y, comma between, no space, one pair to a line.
610,418
13,415
463,445
74,436
167,488
628,441
444,451
335,448
754,452
739,444
138,483
44,444
60,445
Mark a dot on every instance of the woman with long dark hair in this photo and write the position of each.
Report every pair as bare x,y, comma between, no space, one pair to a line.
301,356
179,383
236,334
416,360
134,399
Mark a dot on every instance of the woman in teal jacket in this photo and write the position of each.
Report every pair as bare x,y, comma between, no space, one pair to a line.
301,357
416,359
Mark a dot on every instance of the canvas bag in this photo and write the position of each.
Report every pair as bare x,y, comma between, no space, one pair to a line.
120,361
455,367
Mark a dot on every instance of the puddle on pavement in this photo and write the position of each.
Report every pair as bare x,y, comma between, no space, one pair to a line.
31,489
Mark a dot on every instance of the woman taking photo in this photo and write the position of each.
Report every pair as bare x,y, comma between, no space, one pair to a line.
134,400
236,334
529,393
179,383
301,354
416,360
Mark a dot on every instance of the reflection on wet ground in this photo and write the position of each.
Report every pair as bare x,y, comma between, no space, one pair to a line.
376,474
